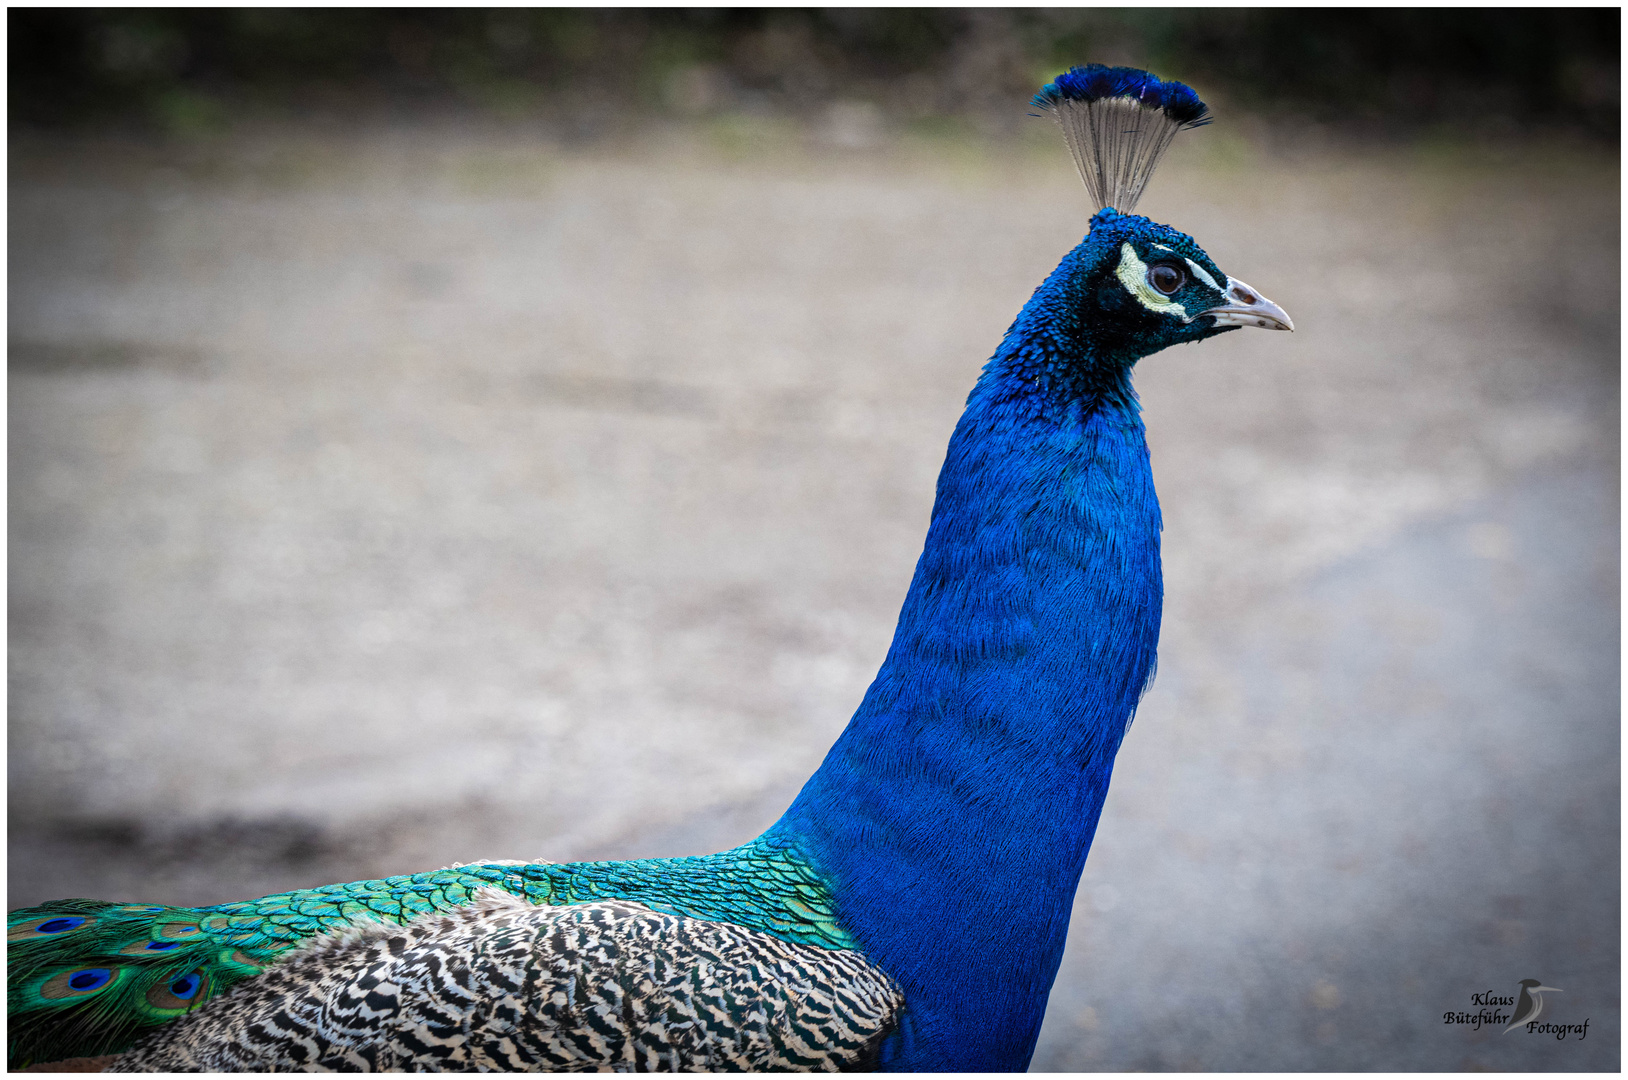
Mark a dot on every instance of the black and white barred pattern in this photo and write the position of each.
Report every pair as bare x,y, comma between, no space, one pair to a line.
503,985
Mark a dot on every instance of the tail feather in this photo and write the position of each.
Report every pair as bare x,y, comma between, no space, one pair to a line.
87,977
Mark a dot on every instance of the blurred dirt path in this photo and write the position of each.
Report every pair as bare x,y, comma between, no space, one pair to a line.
397,499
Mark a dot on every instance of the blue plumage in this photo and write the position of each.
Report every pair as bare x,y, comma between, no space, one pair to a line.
954,814
909,910
1097,82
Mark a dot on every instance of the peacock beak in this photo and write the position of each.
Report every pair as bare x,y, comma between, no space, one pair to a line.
1246,307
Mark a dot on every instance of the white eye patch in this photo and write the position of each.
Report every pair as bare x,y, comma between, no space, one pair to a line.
1199,272
1132,273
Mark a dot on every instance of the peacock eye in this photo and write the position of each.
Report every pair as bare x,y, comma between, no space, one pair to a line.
1166,278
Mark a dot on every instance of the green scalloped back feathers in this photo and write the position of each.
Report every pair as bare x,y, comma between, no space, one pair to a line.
88,977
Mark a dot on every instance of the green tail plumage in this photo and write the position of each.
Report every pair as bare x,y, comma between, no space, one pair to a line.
88,977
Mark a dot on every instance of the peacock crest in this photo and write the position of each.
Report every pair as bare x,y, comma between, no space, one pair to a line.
1118,122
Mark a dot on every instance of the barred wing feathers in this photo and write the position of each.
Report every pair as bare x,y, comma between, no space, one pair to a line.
502,984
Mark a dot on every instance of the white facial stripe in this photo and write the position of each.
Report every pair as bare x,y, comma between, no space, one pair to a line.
1198,272
1162,247
1133,274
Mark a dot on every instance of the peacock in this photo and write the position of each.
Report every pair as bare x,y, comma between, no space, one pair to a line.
908,911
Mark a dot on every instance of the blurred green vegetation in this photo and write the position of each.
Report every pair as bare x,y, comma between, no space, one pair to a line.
1385,70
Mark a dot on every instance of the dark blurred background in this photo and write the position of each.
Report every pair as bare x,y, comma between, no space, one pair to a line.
446,435
1390,69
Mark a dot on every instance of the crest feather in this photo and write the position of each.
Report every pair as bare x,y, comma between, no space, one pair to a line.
1118,122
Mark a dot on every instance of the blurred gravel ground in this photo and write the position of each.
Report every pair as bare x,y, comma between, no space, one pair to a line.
386,499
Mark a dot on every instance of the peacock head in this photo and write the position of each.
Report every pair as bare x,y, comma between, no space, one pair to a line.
1135,286
1147,286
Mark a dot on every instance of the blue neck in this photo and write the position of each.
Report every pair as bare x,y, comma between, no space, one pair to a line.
953,816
